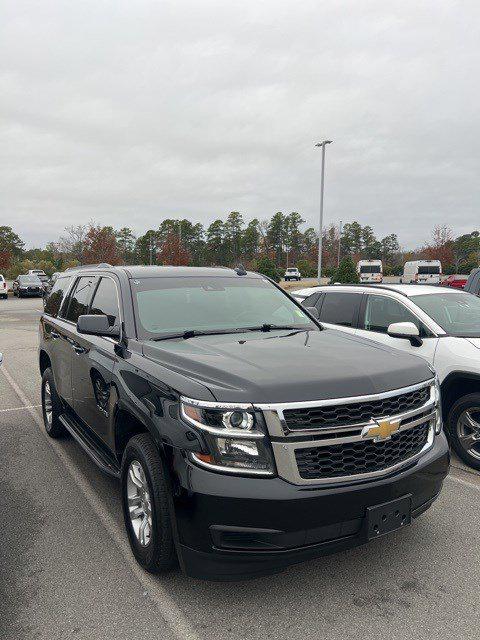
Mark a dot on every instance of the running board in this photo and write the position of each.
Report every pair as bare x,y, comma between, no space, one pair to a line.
99,458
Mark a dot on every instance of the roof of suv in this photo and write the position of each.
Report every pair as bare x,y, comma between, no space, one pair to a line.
408,290
147,271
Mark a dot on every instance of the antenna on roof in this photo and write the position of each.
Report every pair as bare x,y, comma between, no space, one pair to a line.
240,270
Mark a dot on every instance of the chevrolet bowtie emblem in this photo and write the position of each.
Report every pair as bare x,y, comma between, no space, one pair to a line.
380,429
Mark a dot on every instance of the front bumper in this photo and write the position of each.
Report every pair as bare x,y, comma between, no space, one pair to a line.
233,528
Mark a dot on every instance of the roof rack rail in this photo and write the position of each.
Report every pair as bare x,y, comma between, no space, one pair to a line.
101,265
369,285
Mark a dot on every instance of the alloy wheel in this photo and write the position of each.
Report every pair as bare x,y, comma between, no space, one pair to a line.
468,431
47,401
139,503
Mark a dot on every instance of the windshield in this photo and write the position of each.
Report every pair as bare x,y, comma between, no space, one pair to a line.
430,270
175,305
458,313
29,280
292,270
370,268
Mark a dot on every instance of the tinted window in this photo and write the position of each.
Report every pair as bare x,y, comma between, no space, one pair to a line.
170,305
473,283
312,300
340,308
370,268
54,300
80,298
431,270
381,312
105,301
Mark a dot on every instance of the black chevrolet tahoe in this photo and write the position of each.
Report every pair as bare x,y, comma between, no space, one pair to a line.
246,437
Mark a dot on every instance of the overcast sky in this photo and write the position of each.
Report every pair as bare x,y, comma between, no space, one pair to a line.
130,112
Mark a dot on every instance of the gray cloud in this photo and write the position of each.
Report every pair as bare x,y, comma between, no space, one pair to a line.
128,112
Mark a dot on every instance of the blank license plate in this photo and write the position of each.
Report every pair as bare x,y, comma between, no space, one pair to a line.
389,516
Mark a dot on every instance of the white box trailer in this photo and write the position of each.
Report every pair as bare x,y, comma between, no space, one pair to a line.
422,271
370,270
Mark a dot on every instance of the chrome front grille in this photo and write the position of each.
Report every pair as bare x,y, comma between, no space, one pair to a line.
353,458
341,415
348,447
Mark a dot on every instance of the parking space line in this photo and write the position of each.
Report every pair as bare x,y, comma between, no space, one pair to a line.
466,483
172,615
30,406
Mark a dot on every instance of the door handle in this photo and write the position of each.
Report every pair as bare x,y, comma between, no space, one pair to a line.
54,334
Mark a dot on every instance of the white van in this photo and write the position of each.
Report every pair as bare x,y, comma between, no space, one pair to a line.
3,288
423,271
370,270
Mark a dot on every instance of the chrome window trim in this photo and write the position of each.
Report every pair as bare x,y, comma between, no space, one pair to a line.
74,280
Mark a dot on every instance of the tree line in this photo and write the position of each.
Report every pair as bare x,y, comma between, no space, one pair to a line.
268,245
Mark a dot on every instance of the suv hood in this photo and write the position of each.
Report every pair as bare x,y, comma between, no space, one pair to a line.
282,366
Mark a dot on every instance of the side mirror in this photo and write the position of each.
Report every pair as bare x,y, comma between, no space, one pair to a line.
313,311
97,325
406,330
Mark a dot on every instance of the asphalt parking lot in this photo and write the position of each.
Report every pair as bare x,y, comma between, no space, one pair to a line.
66,569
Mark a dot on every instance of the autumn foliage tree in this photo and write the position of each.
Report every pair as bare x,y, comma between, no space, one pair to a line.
100,245
173,252
5,260
442,246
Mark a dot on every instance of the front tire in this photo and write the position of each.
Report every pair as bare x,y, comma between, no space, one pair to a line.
464,429
51,406
145,501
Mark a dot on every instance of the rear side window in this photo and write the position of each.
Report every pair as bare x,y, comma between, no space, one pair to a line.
80,298
105,301
312,300
54,300
340,308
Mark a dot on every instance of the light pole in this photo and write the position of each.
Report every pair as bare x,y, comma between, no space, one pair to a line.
320,226
339,242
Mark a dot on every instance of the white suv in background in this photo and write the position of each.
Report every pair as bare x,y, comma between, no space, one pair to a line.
439,324
3,288
292,273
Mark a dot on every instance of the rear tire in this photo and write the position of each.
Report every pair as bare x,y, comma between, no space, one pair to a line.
51,406
463,427
145,501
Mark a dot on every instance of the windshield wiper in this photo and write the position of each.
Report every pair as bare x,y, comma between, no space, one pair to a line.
193,333
275,327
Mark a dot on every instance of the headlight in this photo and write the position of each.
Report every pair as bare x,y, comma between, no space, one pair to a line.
236,440
438,406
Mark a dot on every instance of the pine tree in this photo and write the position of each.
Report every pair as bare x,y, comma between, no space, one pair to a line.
346,272
266,266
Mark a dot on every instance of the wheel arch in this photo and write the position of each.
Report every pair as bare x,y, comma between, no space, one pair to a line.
456,385
44,361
